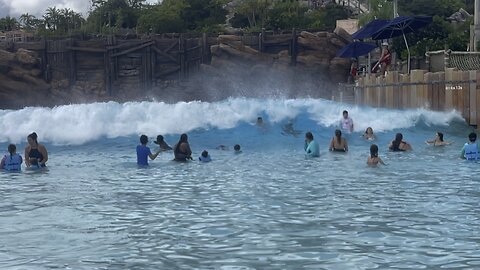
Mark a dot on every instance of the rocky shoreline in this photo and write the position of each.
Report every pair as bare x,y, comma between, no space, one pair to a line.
236,70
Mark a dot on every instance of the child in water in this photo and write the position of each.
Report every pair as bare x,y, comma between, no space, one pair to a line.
205,157
373,159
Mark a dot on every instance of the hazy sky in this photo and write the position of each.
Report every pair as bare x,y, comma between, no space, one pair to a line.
15,8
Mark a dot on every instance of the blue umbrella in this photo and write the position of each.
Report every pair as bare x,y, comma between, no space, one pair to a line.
401,26
356,49
370,28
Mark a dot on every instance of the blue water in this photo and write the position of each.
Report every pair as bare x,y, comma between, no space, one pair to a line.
266,208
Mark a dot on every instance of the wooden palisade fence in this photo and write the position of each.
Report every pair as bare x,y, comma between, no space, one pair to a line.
440,91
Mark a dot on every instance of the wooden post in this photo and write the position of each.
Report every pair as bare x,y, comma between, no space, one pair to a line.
449,88
441,89
418,95
72,64
183,57
261,41
429,89
205,49
477,103
293,48
473,97
108,73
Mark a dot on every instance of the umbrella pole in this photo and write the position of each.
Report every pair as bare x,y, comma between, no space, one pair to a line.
369,71
408,51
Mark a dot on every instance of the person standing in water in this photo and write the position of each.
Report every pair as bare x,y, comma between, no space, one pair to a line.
373,159
398,145
311,147
182,149
338,143
471,149
438,140
35,154
346,123
205,157
143,152
161,142
13,161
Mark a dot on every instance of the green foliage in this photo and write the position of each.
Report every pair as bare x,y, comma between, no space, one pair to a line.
442,8
380,9
288,14
326,19
256,12
114,14
164,18
9,23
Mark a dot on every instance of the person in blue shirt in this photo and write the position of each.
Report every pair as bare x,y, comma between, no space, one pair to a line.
143,152
205,157
13,161
311,147
471,149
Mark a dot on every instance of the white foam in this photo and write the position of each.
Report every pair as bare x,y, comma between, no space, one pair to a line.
77,124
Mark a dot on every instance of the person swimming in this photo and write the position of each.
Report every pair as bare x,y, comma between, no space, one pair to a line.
13,161
288,129
35,154
181,150
338,143
373,159
312,149
398,145
368,135
438,140
471,149
161,142
205,157
236,148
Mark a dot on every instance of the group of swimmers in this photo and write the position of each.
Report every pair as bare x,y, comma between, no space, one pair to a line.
37,155
470,150
181,150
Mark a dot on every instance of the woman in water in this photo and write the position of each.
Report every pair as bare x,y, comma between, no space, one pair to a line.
438,140
35,154
182,149
338,143
373,159
398,145
163,145
13,161
368,135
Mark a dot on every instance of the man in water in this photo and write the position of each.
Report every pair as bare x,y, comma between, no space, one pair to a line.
471,150
143,152
311,147
346,123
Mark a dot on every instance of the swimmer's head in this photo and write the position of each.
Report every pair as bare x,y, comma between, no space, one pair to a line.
159,139
440,136
345,114
143,139
12,149
309,136
236,147
205,153
374,150
398,137
32,138
472,137
369,130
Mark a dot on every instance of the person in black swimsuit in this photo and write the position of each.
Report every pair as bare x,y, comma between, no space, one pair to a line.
398,145
35,154
182,149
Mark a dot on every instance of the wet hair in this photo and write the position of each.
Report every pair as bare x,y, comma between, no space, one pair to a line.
183,139
345,112
397,141
366,130
338,134
472,136
205,153
159,139
309,135
440,136
33,136
12,149
373,151
143,139
236,147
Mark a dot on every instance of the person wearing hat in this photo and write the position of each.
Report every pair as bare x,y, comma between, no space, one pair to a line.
385,59
163,145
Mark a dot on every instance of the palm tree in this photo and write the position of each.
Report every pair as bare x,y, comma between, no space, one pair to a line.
28,21
9,24
52,18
